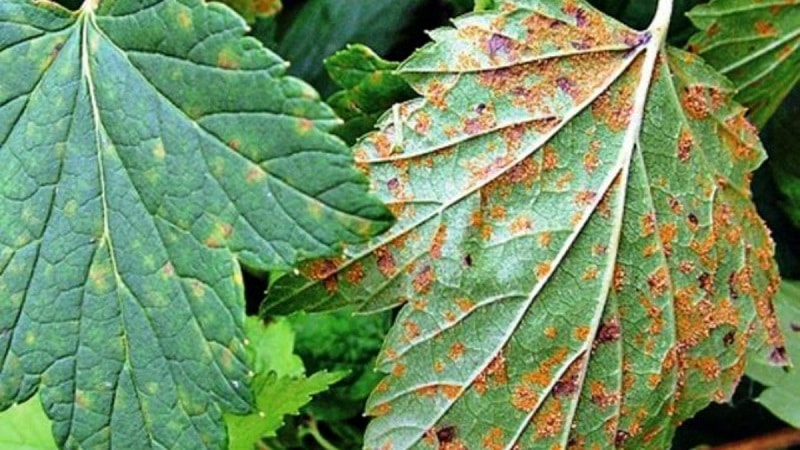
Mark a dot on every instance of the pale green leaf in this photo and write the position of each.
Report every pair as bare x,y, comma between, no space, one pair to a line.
279,384
146,146
782,396
26,427
577,253
755,44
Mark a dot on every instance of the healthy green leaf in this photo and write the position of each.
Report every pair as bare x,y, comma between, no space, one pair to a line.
755,44
26,427
370,87
342,341
279,384
783,395
577,251
322,27
139,161
255,9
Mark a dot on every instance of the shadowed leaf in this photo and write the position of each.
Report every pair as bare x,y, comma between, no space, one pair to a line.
140,161
254,9
576,250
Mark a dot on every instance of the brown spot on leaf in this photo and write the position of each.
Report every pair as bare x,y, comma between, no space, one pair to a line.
386,264
424,279
695,102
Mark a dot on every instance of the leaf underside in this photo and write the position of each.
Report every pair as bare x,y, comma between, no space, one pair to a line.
146,146
571,274
755,44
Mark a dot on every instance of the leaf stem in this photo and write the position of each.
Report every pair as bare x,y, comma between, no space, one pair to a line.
660,24
89,5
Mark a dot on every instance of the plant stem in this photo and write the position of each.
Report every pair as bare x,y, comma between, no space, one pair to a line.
660,23
311,429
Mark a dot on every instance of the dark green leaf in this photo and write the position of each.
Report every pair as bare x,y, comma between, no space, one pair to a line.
139,162
577,252
371,86
322,27
345,342
755,44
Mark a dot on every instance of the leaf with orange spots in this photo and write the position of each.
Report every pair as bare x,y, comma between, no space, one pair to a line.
576,250
255,9
754,43
147,148
782,396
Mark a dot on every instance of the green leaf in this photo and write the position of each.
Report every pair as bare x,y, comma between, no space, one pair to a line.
322,27
26,427
255,9
783,394
370,87
140,161
342,341
279,384
576,249
754,44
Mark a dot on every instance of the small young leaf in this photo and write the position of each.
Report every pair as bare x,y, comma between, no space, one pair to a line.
577,253
755,44
371,86
783,395
280,384
139,162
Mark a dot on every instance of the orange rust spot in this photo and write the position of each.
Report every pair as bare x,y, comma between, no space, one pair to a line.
450,316
486,232
383,386
451,392
549,157
601,397
668,232
550,420
438,241
695,102
456,351
648,224
233,144
438,366
493,440
590,160
412,330
653,380
709,367
765,29
399,370
582,333
381,410
590,273
423,123
658,281
355,273
585,198
424,280
545,238
465,304
419,305
520,224
497,212
619,278
436,93
383,144
427,391
685,144
386,264
524,398
551,332
543,270
542,375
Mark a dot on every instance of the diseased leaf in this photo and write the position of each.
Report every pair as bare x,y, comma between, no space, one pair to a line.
577,253
755,44
255,9
139,162
280,384
26,427
783,395
370,87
